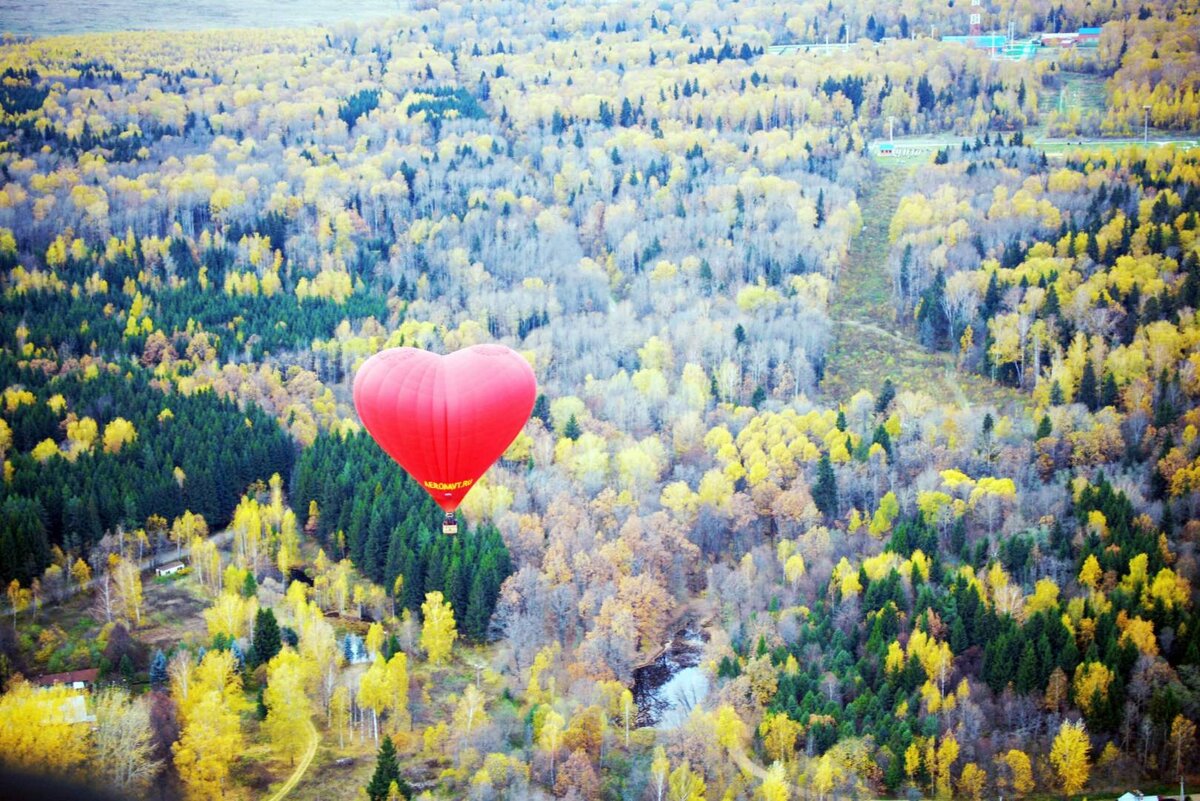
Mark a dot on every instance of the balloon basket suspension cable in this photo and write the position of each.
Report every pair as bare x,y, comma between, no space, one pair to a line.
450,524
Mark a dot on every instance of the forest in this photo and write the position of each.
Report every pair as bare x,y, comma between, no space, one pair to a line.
868,364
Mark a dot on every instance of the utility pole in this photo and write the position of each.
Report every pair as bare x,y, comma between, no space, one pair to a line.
892,129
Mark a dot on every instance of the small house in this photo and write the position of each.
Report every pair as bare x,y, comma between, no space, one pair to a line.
885,149
169,569
1059,39
1137,796
75,679
1090,36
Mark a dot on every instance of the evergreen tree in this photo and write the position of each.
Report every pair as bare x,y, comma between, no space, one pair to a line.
991,298
825,492
883,439
1088,394
1056,394
1109,394
267,638
288,636
571,429
958,636
931,318
478,615
158,670
1053,305
391,647
541,409
126,668
1164,409
886,394
1044,429
387,770
1027,678
249,586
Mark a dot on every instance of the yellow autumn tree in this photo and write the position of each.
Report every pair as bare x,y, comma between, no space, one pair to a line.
39,730
289,713
947,753
660,771
339,712
470,713
972,780
550,739
374,638
439,631
1090,573
127,579
397,688
825,776
774,785
231,614
1020,772
209,703
685,784
1092,680
1070,756
779,735
373,691
117,434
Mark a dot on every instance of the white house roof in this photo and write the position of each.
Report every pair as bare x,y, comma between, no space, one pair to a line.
1130,796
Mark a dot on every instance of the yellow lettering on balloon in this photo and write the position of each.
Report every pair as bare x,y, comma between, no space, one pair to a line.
453,485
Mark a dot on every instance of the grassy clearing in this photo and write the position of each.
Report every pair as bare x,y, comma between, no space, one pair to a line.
336,772
870,345
66,635
864,287
1077,90
174,613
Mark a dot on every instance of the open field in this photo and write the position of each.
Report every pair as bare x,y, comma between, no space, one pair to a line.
869,344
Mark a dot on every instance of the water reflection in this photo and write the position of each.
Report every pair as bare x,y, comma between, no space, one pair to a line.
666,690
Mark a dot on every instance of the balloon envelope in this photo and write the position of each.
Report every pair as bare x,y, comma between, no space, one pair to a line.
445,419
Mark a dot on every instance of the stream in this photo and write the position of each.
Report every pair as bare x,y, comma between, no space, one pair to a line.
666,690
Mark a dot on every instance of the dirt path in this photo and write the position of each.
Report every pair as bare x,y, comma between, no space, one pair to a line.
864,287
301,766
747,765
877,331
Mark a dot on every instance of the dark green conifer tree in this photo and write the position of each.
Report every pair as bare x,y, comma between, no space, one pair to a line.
267,640
825,491
1088,390
387,770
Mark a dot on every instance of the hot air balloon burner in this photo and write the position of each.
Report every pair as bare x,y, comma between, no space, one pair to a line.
449,524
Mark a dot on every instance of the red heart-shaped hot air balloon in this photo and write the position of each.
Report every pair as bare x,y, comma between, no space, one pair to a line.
445,419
